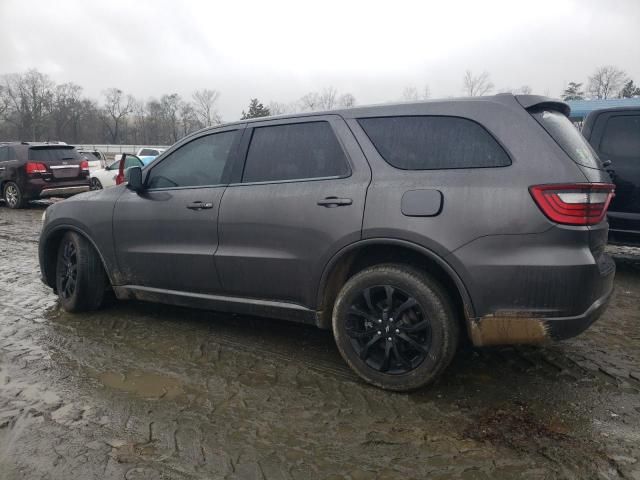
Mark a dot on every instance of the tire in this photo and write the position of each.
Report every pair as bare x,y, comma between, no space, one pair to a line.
80,278
95,184
13,196
412,350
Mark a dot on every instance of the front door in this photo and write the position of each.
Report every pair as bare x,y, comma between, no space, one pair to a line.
300,199
166,235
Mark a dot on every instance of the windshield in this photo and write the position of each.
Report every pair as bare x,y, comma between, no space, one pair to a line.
568,137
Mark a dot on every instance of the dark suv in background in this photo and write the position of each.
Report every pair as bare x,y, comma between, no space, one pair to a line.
615,135
29,171
400,227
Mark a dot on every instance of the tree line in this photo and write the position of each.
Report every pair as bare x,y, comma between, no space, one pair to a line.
34,107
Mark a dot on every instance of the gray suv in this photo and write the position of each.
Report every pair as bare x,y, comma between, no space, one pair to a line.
401,227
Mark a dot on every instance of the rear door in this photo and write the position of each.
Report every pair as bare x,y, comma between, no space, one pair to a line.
166,235
299,200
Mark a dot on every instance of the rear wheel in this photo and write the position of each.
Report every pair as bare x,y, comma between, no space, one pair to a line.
95,184
395,327
13,195
80,278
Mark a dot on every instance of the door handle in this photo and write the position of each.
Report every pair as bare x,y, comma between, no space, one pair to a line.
199,205
331,202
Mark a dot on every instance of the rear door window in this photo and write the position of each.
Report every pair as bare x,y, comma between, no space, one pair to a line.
295,151
434,142
621,137
4,154
567,137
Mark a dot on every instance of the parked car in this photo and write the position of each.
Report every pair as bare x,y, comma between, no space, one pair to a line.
29,171
96,159
148,154
108,176
400,227
615,135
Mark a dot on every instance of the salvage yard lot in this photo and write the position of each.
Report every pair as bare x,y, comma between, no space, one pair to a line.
141,391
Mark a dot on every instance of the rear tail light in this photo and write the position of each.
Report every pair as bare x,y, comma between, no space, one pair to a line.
574,204
35,167
84,165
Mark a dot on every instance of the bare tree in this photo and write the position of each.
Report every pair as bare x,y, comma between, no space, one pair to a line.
606,82
410,94
205,106
115,111
347,100
476,86
170,104
28,97
327,99
310,102
66,109
188,119
278,108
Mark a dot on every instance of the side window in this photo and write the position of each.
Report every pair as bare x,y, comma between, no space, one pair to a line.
294,152
4,154
198,163
433,142
621,137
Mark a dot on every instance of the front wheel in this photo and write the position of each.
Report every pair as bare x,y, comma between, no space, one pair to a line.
80,278
395,327
13,196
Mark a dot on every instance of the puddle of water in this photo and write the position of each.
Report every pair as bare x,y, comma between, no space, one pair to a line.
143,384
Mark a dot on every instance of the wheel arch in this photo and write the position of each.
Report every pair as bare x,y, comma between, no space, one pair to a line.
49,250
359,255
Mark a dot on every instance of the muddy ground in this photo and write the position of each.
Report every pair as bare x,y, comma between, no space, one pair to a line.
141,391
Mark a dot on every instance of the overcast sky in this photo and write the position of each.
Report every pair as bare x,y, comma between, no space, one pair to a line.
280,50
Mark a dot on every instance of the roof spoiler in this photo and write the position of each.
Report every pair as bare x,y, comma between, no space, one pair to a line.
538,101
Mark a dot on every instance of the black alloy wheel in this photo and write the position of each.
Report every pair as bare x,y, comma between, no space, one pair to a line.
69,271
389,330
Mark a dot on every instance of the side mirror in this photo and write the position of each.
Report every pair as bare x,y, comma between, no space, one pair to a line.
133,176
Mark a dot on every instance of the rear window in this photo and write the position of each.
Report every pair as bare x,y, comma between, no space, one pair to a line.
568,137
148,152
434,142
53,154
621,137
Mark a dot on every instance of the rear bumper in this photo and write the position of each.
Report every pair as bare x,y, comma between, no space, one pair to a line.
509,328
63,191
37,188
534,288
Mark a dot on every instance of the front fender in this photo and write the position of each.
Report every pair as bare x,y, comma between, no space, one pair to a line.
90,215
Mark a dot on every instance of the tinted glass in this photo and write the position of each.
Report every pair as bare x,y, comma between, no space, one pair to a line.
568,137
53,154
621,137
296,151
431,142
4,154
200,162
